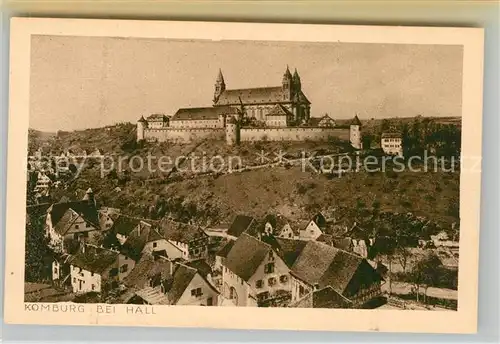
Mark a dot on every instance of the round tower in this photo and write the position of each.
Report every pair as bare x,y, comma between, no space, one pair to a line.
142,124
232,132
355,133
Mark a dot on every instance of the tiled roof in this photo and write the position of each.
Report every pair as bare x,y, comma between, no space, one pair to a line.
260,95
391,135
240,224
84,208
246,256
124,224
153,296
145,269
157,117
289,249
202,113
201,266
325,265
223,252
138,238
329,298
342,243
279,110
180,232
181,279
94,259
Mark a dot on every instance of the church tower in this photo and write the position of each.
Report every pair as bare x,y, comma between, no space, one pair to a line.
220,86
287,84
297,86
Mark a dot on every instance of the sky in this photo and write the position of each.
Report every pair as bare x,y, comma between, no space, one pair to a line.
88,82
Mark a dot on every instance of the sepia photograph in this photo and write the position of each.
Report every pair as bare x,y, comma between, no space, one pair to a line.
261,173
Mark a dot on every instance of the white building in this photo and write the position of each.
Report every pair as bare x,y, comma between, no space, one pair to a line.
392,144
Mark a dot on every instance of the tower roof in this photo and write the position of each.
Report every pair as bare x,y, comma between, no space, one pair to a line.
141,119
220,77
296,74
287,73
356,121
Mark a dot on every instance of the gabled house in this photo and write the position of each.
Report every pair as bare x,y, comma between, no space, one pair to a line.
279,226
161,281
145,239
309,230
319,266
326,121
92,267
254,274
107,216
68,223
240,225
123,225
192,241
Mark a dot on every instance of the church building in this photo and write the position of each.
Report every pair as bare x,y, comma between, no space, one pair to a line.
277,106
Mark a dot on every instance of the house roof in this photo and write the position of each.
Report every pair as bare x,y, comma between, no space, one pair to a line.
177,231
180,281
246,255
329,298
240,224
279,110
342,243
289,249
142,234
125,224
391,135
62,219
94,259
157,117
325,265
327,118
146,268
153,296
258,95
201,266
223,252
202,113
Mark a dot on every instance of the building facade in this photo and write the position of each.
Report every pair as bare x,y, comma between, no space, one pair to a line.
392,143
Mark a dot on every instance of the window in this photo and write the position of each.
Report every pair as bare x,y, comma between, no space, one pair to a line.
259,284
76,226
271,281
210,301
283,278
269,268
55,270
74,279
124,268
93,286
87,224
301,290
92,274
155,244
108,225
196,292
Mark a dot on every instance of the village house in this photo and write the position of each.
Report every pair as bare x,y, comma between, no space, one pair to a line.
240,225
189,239
161,281
326,297
253,274
93,267
43,182
145,239
107,217
392,143
309,230
123,225
279,226
68,223
319,266
326,121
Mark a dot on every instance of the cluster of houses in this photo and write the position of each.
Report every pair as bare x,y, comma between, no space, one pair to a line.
270,262
45,169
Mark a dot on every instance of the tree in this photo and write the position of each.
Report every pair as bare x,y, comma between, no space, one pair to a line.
403,254
426,273
36,251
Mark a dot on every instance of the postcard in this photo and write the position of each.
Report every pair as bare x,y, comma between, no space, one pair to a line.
243,175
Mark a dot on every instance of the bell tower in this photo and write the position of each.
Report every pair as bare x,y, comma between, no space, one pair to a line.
287,84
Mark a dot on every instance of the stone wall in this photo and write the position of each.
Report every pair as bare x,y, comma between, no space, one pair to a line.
183,135
293,134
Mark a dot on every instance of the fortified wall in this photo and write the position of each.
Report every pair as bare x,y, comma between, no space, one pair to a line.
183,135
293,134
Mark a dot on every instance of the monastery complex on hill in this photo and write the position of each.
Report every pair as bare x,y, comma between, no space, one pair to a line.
279,113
